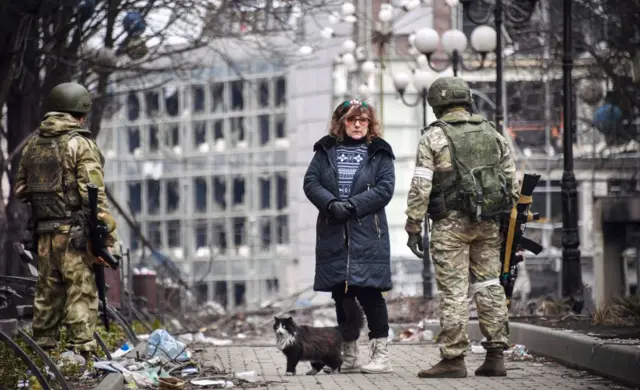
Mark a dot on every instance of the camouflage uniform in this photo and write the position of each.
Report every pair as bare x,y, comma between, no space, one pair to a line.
459,245
55,168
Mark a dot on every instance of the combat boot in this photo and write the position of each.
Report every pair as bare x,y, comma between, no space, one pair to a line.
380,362
493,364
446,368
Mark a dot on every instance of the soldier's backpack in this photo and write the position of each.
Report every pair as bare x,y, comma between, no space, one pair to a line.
479,188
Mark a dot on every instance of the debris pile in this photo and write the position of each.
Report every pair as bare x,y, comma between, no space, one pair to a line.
166,362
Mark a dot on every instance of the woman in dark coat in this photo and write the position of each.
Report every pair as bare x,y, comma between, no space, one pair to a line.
350,180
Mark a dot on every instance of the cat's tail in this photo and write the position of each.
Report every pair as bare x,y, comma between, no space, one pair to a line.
350,330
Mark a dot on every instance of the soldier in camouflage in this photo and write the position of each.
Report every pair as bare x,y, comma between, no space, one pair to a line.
56,165
464,178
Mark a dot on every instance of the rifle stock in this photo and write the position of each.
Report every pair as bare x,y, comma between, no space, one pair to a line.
513,227
97,235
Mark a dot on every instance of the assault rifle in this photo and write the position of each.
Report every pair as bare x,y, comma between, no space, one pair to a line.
512,229
97,234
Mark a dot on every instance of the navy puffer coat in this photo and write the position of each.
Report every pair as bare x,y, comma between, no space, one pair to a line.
366,260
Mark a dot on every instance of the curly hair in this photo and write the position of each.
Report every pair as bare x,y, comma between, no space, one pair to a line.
347,109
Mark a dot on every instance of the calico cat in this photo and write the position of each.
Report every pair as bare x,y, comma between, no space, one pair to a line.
320,346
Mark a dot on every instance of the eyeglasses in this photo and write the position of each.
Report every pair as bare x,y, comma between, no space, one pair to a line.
355,119
362,103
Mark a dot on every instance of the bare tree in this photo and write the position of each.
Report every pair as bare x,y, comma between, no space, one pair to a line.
46,42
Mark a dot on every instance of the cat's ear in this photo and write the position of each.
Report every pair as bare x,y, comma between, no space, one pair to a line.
288,319
276,318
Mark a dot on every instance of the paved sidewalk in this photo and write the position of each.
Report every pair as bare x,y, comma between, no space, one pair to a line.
407,360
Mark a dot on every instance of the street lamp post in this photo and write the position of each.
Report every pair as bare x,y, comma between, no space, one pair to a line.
426,42
454,43
422,80
516,14
571,267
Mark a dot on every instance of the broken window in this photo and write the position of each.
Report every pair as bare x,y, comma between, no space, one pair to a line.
201,292
280,126
239,292
172,135
135,197
199,133
173,195
281,92
282,229
133,138
218,130
134,240
263,93
173,233
201,233
263,126
265,192
219,234
220,293
197,94
238,191
237,95
171,100
266,232
154,142
273,286
217,98
155,234
281,190
237,131
133,106
153,196
152,101
219,193
239,231
200,193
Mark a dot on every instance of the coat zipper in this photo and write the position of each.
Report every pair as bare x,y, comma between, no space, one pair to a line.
377,223
348,239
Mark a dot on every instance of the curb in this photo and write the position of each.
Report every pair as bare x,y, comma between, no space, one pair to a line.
112,381
612,361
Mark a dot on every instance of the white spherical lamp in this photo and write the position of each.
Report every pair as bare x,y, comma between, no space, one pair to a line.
423,79
426,40
483,39
368,67
454,40
401,80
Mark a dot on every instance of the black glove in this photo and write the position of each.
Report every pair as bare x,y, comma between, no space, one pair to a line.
341,210
415,244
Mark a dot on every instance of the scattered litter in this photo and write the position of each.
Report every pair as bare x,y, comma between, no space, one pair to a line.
71,358
249,376
189,371
218,383
161,343
170,384
518,352
125,349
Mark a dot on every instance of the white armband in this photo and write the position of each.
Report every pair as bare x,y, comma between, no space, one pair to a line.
423,173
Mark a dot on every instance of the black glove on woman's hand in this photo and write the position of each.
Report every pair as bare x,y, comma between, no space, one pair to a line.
341,210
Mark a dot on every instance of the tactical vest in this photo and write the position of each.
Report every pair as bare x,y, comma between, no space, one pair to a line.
477,186
51,189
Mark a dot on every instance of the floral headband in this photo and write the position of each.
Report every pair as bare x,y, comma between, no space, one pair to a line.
362,103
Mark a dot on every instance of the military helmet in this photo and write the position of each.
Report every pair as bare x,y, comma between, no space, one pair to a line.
447,91
69,97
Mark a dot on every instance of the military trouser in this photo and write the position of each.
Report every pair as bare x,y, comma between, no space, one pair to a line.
66,294
459,247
